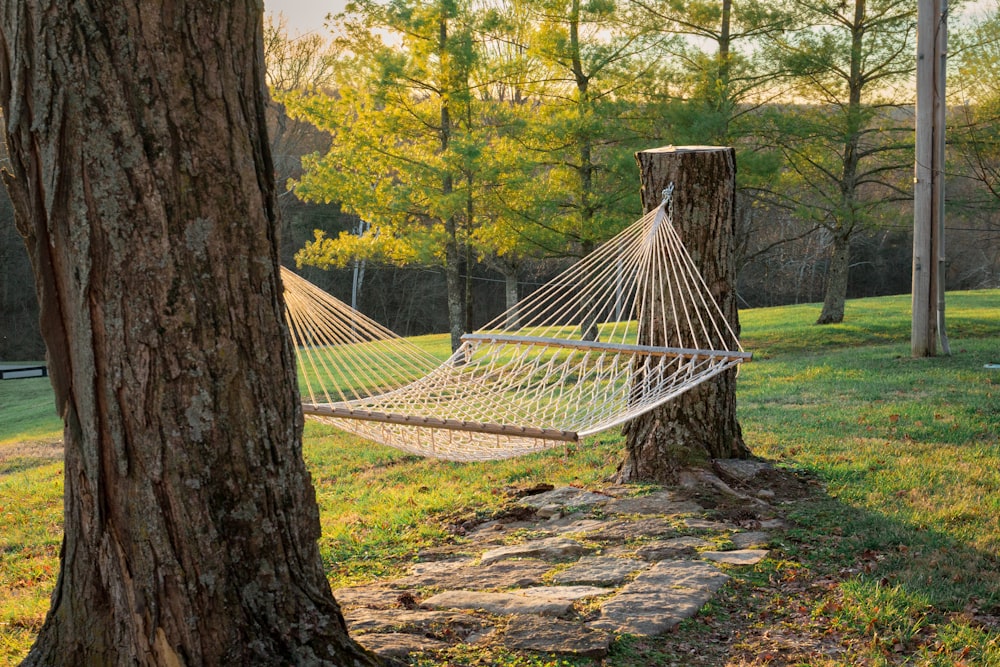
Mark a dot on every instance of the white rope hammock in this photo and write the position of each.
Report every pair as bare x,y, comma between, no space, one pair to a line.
627,328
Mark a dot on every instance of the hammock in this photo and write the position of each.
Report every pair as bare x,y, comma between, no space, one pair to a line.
624,330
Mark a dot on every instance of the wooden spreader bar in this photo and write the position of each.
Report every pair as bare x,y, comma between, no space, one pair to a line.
436,422
650,350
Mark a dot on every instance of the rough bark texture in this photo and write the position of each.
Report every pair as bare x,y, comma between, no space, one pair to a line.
836,281
144,188
701,423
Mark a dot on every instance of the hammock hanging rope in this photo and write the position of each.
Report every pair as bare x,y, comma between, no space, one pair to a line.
624,330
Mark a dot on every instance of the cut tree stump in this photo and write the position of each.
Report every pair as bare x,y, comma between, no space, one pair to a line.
700,424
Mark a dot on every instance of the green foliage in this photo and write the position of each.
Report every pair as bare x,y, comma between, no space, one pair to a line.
846,68
532,153
974,94
400,150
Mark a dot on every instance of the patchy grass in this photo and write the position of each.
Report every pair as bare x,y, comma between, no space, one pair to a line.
380,507
896,564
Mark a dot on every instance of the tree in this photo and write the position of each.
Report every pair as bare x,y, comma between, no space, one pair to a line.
701,423
293,63
401,152
977,117
844,144
581,140
143,184
721,79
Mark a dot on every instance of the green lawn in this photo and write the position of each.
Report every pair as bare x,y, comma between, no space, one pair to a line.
897,563
27,411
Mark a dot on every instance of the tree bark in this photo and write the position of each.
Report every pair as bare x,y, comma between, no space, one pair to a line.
835,296
144,186
510,276
700,424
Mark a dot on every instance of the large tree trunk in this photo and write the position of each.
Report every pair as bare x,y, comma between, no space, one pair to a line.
836,281
143,183
701,423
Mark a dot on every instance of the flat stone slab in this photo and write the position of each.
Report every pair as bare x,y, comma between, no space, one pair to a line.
398,644
623,530
498,603
371,597
741,557
563,497
675,547
705,524
740,469
569,526
550,548
462,574
660,598
564,592
413,621
552,635
660,502
750,539
599,571
496,532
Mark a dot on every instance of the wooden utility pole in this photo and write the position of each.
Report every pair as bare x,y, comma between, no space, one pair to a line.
928,189
700,424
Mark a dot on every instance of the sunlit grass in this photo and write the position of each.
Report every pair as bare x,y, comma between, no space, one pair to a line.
30,535
906,539
380,507
884,320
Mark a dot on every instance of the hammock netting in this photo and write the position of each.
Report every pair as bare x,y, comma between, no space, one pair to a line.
625,329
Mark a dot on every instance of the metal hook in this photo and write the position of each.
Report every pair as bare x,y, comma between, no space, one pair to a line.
668,192
668,199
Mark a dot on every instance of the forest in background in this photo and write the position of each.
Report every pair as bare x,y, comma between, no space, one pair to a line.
451,150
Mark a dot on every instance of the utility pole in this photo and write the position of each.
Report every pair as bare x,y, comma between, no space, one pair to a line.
928,188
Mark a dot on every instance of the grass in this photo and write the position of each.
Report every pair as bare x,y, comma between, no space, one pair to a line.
27,411
895,564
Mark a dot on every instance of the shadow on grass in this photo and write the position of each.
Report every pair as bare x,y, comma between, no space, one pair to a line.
23,456
22,464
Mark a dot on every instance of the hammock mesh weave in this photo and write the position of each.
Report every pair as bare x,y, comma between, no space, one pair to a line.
624,330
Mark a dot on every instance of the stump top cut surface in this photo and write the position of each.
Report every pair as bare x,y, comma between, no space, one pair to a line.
685,149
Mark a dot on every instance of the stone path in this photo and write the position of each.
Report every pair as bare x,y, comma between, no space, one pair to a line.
576,570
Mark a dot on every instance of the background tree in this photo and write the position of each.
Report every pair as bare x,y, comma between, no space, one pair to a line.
844,139
719,78
143,184
400,155
296,64
565,179
719,84
592,69
293,63
977,101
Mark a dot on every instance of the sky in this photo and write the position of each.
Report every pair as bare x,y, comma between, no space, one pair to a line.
304,16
